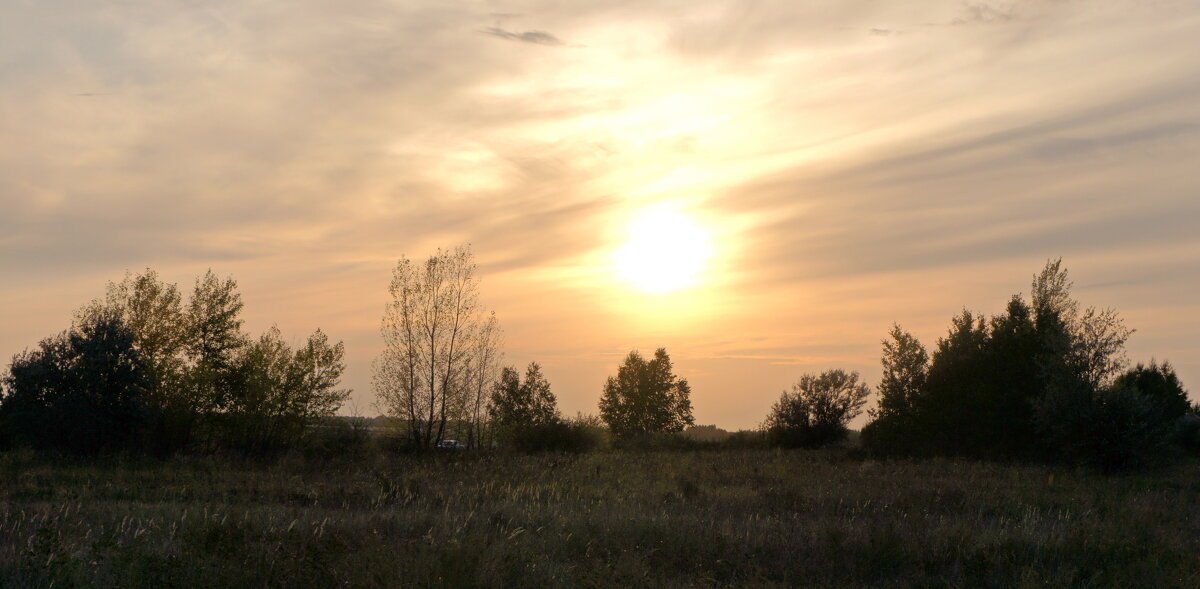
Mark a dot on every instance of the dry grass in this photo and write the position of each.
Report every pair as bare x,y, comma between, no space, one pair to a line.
734,518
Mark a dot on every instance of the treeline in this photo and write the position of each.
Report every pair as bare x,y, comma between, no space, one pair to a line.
1045,380
144,370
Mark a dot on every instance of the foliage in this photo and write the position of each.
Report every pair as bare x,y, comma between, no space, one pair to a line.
440,347
1038,381
200,377
905,369
816,411
1161,387
277,392
83,391
1095,338
646,397
517,404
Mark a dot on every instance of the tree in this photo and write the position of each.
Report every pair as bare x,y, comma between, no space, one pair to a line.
525,414
83,391
485,365
817,410
646,397
214,338
204,374
1160,386
1095,338
905,368
517,404
277,392
436,342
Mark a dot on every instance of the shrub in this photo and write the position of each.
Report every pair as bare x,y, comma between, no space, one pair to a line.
816,411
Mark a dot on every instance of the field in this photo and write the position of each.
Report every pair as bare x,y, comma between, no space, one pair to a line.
607,519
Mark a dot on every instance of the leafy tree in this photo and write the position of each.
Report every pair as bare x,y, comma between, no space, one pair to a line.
905,369
82,391
1094,345
205,375
517,404
214,338
1160,386
436,336
277,392
646,397
817,409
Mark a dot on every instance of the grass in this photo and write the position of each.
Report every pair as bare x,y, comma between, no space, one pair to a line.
607,519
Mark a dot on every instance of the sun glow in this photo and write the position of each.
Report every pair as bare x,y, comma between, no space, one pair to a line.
665,251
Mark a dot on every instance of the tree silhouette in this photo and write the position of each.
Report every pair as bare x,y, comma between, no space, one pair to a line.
817,409
646,397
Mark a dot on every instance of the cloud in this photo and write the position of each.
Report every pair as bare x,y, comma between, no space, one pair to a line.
535,37
304,148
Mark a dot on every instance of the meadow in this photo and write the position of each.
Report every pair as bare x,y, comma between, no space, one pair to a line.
729,518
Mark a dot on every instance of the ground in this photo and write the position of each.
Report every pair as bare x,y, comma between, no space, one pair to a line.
606,519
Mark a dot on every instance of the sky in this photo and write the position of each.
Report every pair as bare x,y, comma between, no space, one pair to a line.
847,164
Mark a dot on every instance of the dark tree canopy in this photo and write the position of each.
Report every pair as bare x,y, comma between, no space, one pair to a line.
817,410
82,391
1039,380
1161,388
646,397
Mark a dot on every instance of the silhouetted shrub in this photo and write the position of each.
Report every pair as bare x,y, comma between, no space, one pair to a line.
1161,388
816,411
1186,432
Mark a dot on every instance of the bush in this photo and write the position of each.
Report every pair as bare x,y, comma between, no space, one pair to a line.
581,434
1112,429
816,411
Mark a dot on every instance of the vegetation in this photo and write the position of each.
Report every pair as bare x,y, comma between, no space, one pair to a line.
817,410
138,372
1041,381
441,350
669,519
646,398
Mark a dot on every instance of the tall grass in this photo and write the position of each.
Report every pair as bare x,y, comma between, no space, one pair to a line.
666,519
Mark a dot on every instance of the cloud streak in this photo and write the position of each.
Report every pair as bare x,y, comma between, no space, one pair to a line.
851,175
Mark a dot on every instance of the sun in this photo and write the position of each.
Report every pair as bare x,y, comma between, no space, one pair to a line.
666,250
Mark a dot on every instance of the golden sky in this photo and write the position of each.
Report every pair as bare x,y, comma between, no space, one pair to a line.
841,164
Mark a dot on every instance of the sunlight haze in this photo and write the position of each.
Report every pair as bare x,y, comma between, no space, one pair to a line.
761,188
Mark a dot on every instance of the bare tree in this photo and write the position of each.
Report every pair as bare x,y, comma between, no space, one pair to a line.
438,345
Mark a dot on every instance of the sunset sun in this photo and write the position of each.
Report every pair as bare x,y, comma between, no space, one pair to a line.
665,250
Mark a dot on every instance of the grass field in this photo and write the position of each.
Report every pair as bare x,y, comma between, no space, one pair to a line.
607,519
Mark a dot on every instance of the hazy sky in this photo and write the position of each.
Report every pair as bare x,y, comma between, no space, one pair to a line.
851,162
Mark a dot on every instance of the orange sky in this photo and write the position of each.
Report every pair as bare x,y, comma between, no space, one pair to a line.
849,164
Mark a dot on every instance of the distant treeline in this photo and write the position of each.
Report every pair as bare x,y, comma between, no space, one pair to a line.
142,371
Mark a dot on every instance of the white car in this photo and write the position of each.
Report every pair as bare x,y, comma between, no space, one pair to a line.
451,445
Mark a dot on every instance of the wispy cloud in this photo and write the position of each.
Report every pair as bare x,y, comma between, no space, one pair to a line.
853,175
535,37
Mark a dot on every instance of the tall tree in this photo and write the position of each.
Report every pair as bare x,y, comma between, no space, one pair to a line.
1094,338
214,337
646,397
435,335
905,368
